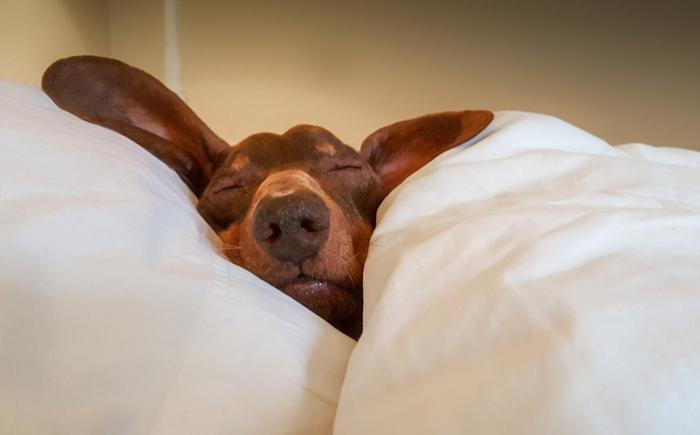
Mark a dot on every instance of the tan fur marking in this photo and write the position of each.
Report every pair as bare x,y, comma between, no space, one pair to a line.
285,183
239,162
325,148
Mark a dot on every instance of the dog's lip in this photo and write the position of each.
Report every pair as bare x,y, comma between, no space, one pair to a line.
304,278
327,300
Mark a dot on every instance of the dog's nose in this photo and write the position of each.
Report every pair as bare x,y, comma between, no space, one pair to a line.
291,227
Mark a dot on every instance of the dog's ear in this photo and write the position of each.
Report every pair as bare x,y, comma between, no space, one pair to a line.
130,101
400,149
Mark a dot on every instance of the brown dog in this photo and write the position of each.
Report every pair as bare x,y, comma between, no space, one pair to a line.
296,209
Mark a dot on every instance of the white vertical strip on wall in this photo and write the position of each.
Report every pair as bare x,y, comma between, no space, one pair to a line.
173,66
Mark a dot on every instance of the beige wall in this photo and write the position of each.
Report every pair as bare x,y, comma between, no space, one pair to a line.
136,34
35,33
625,72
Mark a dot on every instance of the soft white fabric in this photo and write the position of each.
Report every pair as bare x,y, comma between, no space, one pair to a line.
538,282
117,313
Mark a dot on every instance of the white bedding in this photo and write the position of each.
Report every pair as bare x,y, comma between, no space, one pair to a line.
537,282
117,313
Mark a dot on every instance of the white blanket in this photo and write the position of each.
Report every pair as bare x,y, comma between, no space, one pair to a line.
118,315
539,282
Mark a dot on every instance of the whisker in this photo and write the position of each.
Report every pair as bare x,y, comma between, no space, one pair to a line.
348,263
227,247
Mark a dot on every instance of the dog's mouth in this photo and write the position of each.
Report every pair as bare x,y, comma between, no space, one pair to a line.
328,301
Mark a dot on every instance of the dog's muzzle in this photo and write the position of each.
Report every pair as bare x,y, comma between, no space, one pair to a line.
291,227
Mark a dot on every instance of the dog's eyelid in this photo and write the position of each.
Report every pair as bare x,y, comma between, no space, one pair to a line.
224,184
228,188
342,167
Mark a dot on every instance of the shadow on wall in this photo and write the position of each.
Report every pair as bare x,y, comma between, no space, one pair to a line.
34,33
624,72
89,19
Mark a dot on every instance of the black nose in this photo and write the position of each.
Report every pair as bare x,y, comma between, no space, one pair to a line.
291,227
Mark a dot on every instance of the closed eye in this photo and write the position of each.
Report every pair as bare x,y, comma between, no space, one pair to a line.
345,167
227,188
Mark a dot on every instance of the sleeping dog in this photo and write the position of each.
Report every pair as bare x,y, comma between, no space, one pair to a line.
295,209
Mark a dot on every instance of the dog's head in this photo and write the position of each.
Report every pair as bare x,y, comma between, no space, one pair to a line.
296,209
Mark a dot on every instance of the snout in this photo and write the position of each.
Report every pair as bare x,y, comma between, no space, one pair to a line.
291,227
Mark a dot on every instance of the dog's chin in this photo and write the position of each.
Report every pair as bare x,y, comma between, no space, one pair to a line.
330,302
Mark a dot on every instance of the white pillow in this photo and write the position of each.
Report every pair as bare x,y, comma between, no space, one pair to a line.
117,312
539,282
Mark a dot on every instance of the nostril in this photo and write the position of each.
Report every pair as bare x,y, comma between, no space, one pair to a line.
275,233
310,226
270,232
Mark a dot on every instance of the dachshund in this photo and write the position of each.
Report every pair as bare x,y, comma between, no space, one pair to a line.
297,209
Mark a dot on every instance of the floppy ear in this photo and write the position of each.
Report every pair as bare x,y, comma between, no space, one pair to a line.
400,149
130,101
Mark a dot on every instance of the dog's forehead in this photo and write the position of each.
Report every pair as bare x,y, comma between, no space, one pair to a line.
302,144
